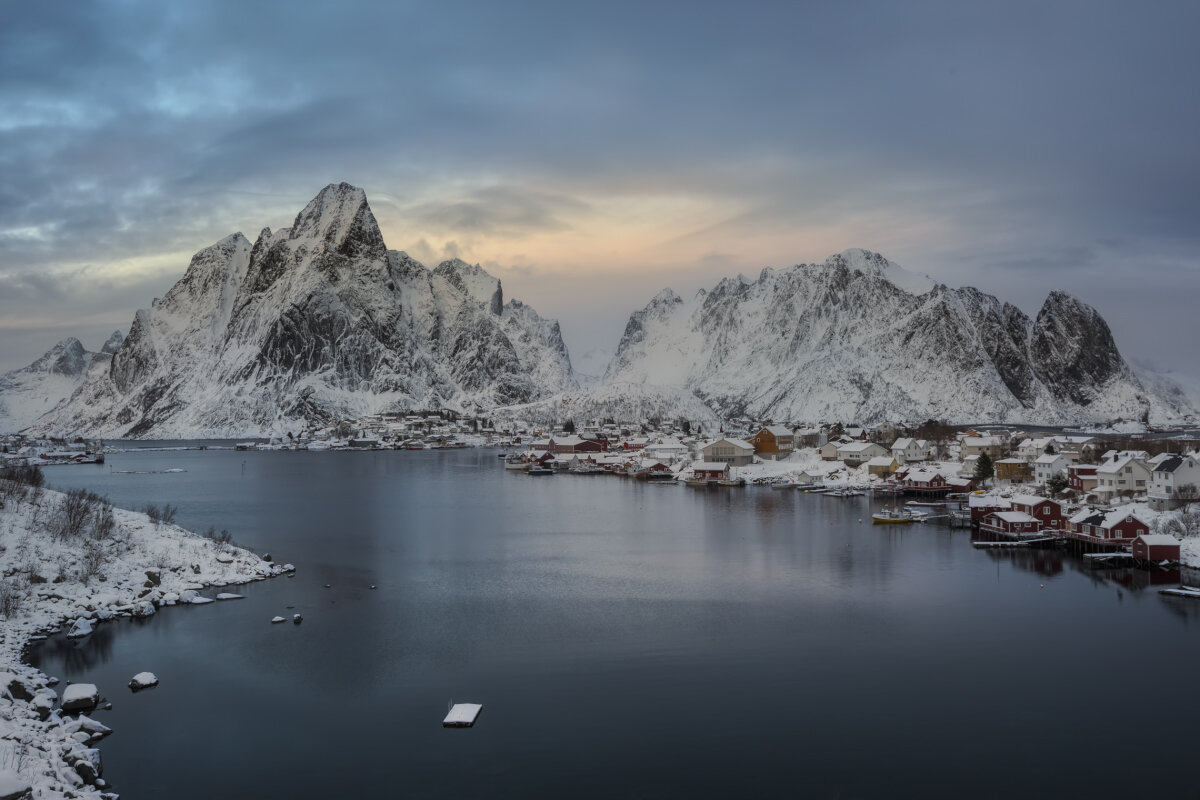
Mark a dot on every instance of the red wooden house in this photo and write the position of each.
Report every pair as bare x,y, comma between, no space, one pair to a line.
1010,523
1046,511
1106,527
1155,547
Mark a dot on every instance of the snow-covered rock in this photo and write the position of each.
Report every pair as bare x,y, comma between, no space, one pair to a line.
80,628
860,339
80,696
276,620
315,323
143,680
13,786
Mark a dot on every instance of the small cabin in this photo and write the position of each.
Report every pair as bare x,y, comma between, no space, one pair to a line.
1155,547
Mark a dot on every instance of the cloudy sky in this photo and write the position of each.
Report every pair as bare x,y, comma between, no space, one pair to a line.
591,154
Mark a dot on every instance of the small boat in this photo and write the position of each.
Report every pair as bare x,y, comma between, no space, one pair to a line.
516,462
732,482
540,471
891,516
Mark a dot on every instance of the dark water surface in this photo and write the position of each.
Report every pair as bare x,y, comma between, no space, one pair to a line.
626,640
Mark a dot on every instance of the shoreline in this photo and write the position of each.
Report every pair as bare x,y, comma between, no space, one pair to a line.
142,567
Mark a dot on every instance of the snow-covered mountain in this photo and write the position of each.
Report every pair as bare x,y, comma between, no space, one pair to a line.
315,323
32,391
858,338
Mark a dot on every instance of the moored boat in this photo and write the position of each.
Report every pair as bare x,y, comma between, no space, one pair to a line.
891,516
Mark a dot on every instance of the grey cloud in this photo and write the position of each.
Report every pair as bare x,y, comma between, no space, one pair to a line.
503,210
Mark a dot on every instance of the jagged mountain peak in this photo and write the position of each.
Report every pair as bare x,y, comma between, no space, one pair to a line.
874,264
113,343
67,357
666,297
858,337
473,281
315,323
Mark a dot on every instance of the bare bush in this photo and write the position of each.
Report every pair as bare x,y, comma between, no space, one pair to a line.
224,537
93,560
103,522
68,519
161,516
12,592
24,474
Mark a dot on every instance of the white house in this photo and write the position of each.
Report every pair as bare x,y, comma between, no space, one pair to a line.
857,453
908,450
1047,466
1169,475
978,445
1123,474
1030,449
737,452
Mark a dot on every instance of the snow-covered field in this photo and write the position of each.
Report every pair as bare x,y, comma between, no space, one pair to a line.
74,563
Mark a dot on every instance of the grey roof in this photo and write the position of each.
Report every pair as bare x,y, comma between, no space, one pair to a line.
1169,464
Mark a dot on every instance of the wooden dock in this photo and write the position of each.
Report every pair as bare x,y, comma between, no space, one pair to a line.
1182,591
462,715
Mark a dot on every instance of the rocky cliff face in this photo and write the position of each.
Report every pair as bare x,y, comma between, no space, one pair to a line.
858,338
44,385
311,324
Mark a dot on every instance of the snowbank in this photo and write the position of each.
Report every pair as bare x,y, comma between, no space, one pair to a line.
55,574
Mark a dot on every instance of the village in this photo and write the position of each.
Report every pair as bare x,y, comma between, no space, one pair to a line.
1104,497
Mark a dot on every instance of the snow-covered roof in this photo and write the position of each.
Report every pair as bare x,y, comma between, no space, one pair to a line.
1013,516
1158,539
987,501
710,465
1106,518
856,447
981,441
881,461
1028,499
778,430
1047,458
742,443
901,444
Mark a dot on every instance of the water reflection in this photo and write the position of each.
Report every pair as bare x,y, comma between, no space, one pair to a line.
625,639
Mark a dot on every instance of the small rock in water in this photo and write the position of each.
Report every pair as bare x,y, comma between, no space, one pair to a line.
372,586
276,620
327,586
296,618
143,680
80,628
230,596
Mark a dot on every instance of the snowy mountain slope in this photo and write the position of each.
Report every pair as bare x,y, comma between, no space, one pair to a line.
32,391
315,323
858,338
624,402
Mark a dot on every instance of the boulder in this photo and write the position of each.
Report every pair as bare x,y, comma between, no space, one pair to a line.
80,696
143,680
80,628
13,786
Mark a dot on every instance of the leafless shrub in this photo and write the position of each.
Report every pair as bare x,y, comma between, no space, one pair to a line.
93,560
161,516
12,592
103,522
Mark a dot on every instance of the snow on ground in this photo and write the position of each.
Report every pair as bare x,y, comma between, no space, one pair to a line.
55,574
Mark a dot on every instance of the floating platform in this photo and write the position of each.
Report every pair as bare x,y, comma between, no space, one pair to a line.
462,715
1182,591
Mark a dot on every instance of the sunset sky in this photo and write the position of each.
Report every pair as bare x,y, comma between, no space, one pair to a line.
592,154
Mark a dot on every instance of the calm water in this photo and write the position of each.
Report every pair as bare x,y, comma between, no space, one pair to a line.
626,640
